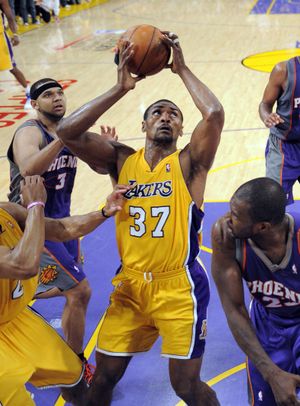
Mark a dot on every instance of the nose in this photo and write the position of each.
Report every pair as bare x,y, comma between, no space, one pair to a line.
57,96
165,117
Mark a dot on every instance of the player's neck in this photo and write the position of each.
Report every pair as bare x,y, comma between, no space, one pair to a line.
275,239
154,153
50,125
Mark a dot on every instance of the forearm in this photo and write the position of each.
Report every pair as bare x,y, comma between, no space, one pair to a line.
73,227
25,257
38,163
265,110
12,25
244,334
203,98
82,119
10,19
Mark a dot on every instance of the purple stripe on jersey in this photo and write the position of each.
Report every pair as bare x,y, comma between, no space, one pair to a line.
195,225
201,294
10,50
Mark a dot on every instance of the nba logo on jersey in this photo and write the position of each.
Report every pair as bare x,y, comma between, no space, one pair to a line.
260,396
10,224
168,168
203,333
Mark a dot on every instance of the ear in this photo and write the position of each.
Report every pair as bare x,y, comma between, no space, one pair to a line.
181,132
35,104
262,227
143,126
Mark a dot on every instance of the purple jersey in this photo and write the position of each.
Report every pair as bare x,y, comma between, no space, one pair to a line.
275,286
288,104
59,177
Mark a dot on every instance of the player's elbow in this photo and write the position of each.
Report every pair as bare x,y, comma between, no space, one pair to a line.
27,171
23,266
24,271
30,272
58,231
216,115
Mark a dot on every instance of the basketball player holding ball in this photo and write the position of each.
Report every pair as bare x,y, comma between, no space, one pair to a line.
161,288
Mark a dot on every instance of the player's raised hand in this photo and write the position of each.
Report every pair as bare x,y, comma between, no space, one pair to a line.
178,60
108,133
115,200
125,79
33,190
273,119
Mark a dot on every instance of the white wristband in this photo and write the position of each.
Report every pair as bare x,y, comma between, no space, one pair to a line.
32,204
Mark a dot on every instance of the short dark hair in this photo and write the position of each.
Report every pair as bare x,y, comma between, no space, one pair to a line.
161,101
41,85
266,200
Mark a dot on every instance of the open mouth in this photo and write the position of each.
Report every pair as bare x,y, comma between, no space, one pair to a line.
58,107
165,128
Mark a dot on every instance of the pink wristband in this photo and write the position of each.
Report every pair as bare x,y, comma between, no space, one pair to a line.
32,204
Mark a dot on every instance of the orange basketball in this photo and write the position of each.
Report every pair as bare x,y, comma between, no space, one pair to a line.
151,54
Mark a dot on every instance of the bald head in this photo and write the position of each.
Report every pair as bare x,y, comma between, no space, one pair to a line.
265,198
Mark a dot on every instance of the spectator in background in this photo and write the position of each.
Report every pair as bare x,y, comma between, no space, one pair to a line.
7,61
25,7
45,8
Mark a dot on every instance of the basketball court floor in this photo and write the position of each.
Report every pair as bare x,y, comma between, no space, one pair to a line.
231,45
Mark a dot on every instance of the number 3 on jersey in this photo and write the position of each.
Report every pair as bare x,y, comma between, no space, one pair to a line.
140,217
62,179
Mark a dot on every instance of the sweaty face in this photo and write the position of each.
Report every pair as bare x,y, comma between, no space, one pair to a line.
240,223
163,123
52,103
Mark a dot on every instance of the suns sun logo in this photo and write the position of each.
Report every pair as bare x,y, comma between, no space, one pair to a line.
48,274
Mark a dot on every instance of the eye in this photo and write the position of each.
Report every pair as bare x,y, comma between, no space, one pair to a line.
174,114
156,112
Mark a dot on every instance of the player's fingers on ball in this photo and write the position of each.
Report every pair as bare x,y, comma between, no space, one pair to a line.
36,179
168,41
128,46
141,77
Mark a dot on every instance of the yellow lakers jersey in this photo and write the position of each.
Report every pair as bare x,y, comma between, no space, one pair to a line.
14,294
159,226
1,22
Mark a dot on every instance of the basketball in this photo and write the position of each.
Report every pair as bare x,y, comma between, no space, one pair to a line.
151,54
